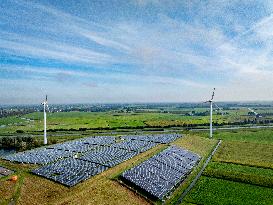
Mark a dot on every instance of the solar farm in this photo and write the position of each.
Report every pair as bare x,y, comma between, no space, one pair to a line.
72,162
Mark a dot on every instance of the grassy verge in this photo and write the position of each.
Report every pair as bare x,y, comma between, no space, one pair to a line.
219,191
245,153
7,189
240,173
262,136
10,190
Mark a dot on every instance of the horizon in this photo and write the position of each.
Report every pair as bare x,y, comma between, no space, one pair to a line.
143,103
136,51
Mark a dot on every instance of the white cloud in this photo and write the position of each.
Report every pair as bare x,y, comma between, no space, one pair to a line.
214,43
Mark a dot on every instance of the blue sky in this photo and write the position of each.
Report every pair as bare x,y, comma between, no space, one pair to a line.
135,50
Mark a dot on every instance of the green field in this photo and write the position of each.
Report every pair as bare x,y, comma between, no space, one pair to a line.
246,153
219,191
104,120
241,171
261,136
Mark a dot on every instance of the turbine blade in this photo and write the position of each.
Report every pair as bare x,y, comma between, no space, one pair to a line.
217,106
213,92
221,109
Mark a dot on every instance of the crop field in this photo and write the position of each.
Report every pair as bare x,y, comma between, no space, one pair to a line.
246,153
241,171
261,136
76,120
219,191
113,120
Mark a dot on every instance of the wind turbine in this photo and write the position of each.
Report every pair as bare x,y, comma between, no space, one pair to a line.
211,102
45,106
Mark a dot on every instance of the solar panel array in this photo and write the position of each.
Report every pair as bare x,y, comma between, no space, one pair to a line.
59,151
158,138
70,171
84,144
38,156
135,145
5,172
74,161
161,173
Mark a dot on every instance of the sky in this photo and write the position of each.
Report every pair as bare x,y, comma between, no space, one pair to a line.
81,51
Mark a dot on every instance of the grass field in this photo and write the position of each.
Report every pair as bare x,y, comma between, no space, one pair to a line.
75,120
246,153
240,173
219,191
262,136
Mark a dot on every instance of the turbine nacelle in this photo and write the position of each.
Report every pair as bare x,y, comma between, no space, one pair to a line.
45,102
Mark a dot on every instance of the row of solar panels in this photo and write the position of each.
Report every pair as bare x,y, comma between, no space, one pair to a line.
97,153
158,138
59,151
160,174
70,171
5,172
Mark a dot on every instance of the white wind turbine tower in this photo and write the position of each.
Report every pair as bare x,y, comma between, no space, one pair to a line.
45,106
211,102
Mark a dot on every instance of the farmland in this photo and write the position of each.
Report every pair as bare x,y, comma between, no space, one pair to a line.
220,191
240,172
165,117
246,153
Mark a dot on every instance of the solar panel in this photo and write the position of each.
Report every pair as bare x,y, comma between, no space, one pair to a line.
120,159
38,156
161,173
70,171
135,145
74,146
148,146
158,138
108,156
151,185
99,140
5,172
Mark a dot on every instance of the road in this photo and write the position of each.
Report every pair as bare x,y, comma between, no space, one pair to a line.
234,128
